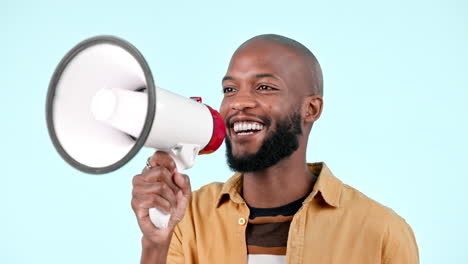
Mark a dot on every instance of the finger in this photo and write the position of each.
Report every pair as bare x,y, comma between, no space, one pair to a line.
160,174
168,179
156,174
163,159
151,201
144,220
140,212
158,188
139,180
143,187
146,226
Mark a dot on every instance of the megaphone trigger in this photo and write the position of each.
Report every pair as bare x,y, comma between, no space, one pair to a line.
184,155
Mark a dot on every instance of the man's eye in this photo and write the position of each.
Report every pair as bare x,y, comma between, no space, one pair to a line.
265,87
228,90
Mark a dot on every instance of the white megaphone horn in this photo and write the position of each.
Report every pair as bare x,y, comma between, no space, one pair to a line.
103,107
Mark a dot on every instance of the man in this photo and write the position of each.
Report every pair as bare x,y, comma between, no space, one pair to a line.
277,208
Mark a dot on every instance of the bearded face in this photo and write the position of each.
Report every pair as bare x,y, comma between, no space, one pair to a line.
279,144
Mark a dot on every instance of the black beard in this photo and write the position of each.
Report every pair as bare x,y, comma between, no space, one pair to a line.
277,146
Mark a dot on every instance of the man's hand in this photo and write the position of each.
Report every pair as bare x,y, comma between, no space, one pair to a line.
162,187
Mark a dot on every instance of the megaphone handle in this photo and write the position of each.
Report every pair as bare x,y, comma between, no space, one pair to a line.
159,218
184,157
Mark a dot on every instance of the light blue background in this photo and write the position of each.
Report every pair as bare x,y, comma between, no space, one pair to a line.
394,124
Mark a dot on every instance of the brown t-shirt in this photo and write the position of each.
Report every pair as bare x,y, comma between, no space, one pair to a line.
267,232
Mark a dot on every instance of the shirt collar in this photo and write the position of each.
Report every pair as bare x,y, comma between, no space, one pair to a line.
327,185
232,188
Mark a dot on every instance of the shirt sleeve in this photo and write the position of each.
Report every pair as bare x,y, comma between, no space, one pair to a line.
175,254
399,245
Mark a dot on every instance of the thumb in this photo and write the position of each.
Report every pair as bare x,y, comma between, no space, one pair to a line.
183,198
183,182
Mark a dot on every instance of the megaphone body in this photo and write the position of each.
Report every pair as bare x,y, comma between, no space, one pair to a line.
103,107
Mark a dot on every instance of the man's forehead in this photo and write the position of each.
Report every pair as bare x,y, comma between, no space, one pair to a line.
261,55
263,51
285,58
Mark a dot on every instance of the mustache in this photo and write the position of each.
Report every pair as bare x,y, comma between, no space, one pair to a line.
265,120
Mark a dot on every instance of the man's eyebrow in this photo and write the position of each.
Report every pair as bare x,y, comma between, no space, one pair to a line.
257,76
228,78
265,75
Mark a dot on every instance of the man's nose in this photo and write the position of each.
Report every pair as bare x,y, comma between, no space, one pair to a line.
242,102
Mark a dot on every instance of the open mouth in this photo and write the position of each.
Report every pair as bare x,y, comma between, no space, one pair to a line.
245,128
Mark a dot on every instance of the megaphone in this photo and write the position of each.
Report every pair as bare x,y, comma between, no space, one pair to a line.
103,107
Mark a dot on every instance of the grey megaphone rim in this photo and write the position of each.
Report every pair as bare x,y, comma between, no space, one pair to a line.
151,111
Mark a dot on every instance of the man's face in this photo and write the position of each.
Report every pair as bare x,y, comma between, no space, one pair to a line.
261,104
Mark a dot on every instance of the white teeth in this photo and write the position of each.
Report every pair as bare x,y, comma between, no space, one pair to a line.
245,127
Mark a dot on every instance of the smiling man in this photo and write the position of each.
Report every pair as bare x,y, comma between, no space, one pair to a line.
276,208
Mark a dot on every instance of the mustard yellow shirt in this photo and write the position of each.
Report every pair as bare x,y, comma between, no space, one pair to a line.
336,224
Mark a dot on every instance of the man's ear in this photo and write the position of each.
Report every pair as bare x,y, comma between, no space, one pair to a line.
312,108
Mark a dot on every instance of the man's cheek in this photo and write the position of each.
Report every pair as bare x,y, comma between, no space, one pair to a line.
223,109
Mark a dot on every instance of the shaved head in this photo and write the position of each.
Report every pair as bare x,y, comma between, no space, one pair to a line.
312,72
272,96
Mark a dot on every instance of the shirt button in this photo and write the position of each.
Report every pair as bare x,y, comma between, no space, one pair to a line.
241,221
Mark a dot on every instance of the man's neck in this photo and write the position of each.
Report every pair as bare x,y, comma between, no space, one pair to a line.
285,182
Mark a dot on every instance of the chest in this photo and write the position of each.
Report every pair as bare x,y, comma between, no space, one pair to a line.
322,237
